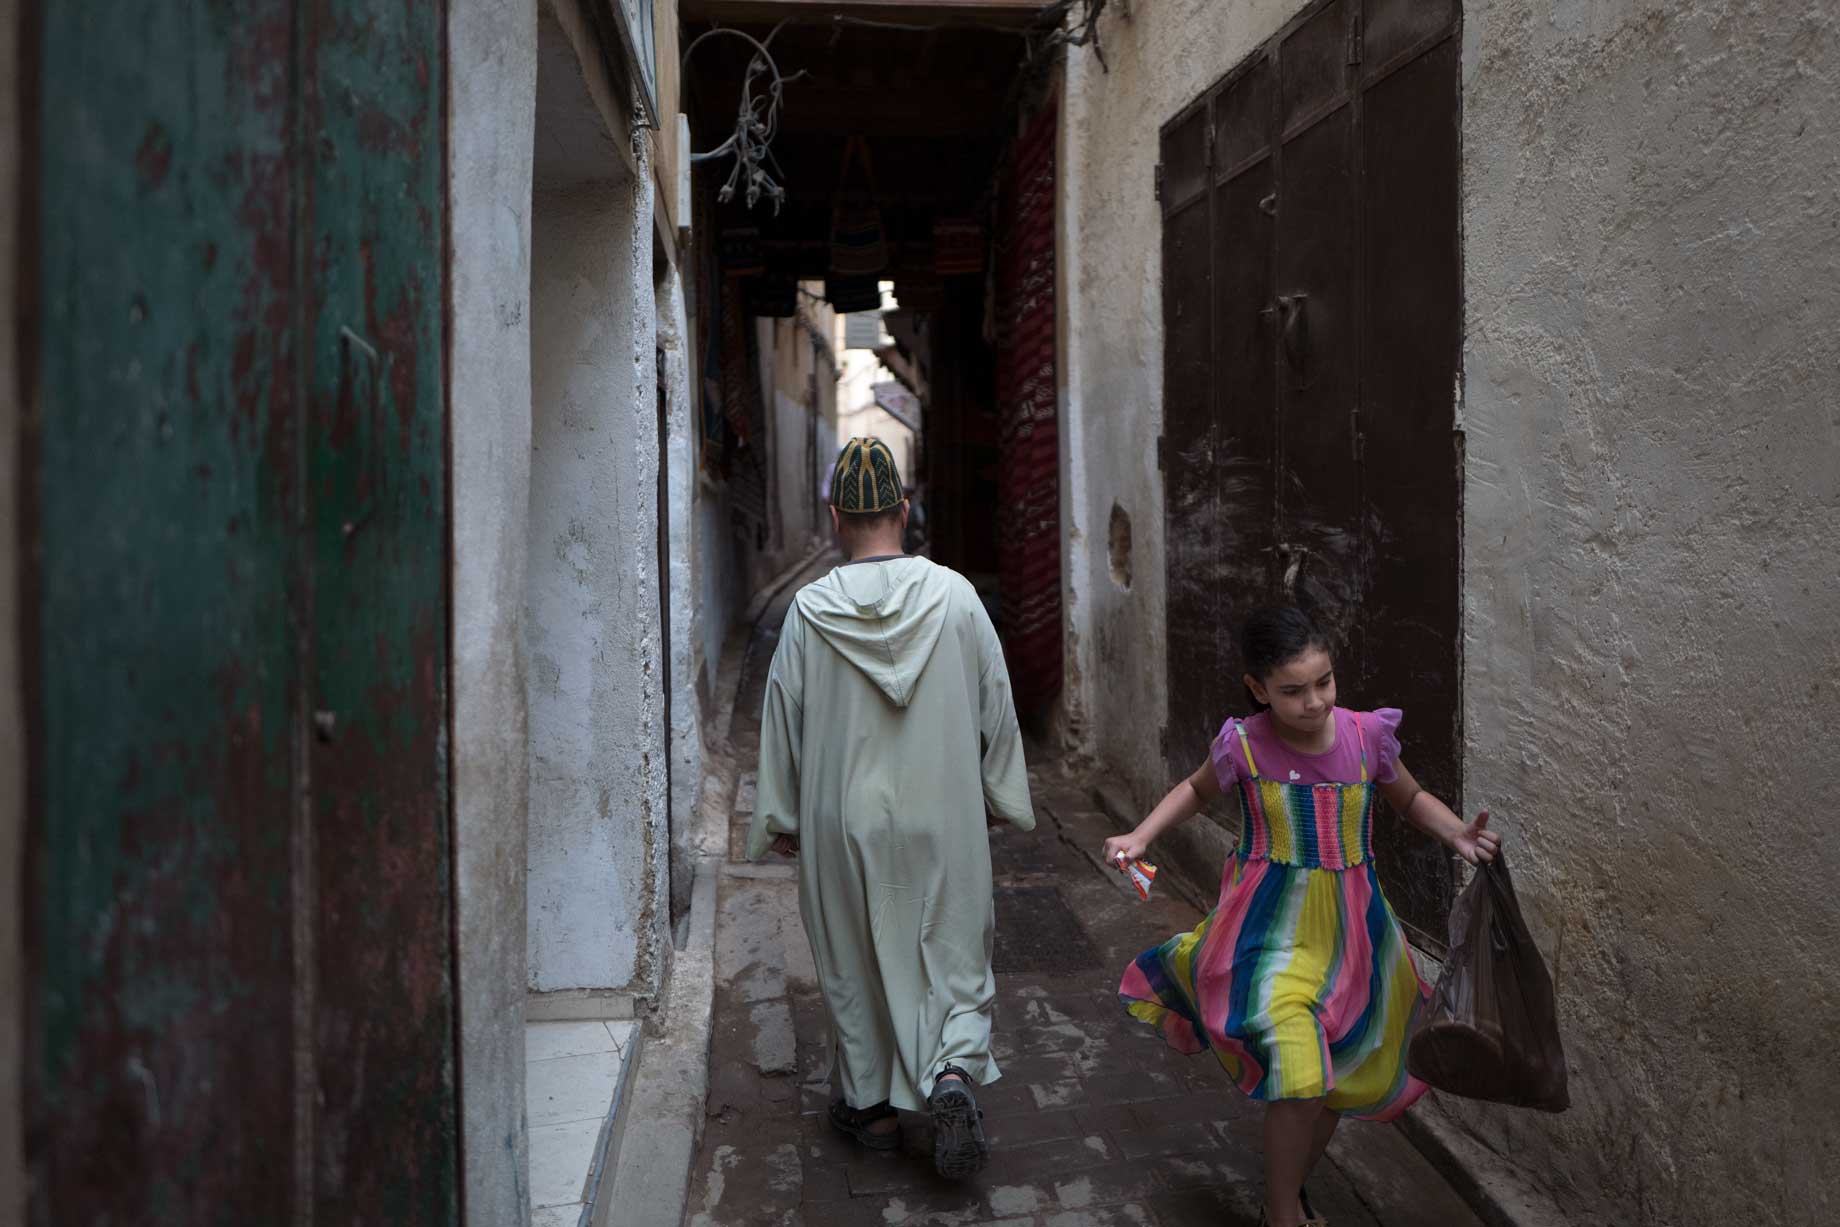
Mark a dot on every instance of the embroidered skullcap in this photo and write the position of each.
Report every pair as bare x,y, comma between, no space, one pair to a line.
865,479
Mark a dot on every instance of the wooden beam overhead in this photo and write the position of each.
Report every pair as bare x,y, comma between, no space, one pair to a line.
932,114
929,94
1010,13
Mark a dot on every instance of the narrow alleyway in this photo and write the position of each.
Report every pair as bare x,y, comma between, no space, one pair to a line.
1094,1122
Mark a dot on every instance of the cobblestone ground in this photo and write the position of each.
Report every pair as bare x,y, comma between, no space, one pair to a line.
1094,1121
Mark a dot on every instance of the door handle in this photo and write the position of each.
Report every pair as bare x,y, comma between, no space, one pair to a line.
1290,557
368,420
1294,329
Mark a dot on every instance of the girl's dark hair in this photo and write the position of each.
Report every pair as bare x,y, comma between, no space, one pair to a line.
1275,636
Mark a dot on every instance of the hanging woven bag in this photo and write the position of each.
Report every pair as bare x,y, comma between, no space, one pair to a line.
859,244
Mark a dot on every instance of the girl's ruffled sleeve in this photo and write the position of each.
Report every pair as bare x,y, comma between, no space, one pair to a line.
1383,739
1225,754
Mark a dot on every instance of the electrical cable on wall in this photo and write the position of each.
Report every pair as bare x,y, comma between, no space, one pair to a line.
1047,32
756,124
1081,33
757,118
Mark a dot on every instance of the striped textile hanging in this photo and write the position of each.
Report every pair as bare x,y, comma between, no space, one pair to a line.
1029,517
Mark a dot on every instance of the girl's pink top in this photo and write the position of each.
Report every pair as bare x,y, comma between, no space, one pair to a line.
1339,764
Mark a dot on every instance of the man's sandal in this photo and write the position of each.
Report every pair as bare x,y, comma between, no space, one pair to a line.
856,1122
959,1147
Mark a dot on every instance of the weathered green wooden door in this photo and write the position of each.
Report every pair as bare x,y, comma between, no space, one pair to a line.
241,1006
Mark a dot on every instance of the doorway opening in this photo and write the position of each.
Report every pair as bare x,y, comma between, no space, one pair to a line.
917,164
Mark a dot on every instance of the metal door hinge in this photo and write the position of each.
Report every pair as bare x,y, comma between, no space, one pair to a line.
1162,742
1354,39
1162,453
1159,180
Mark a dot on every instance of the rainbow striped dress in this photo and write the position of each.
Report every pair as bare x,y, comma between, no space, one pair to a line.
1299,980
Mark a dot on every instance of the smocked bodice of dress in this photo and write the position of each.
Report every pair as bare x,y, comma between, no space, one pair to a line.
1310,826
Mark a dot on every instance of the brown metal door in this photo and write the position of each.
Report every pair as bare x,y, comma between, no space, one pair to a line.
1316,311
1411,338
1327,470
1192,524
1246,367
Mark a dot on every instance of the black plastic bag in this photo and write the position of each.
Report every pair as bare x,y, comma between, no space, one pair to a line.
1493,1029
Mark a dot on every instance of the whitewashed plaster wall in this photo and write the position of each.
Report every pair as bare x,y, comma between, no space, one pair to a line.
795,481
873,421
1652,530
785,356
720,581
804,440
718,572
1112,356
492,86
598,852
1652,396
680,463
856,414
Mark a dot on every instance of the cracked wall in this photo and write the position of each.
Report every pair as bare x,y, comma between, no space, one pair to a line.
492,105
686,705
598,860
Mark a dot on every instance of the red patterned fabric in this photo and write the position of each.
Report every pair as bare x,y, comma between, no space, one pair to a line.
1029,517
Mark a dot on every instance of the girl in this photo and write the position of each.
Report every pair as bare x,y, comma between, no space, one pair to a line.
1299,980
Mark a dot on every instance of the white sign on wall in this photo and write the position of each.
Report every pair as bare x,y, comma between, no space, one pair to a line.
863,330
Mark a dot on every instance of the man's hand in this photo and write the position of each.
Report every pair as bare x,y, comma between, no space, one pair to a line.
992,822
786,845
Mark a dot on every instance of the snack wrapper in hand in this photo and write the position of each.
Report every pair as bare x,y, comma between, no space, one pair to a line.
1141,873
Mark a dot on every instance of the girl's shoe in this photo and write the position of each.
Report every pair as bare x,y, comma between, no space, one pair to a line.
959,1148
1310,1218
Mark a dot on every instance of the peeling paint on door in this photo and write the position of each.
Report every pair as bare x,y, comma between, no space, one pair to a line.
240,1003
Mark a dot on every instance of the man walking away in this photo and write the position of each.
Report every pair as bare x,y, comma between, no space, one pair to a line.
887,743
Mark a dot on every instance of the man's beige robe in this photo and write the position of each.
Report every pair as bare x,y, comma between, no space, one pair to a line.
888,731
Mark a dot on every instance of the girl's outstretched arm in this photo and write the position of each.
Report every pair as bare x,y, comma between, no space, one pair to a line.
1472,841
1183,802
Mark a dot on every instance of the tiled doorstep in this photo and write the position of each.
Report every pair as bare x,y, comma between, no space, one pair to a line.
577,1075
546,1040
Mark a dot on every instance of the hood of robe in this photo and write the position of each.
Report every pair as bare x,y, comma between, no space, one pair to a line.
882,617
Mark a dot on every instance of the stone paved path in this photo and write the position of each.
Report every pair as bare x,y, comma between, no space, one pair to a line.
1094,1122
